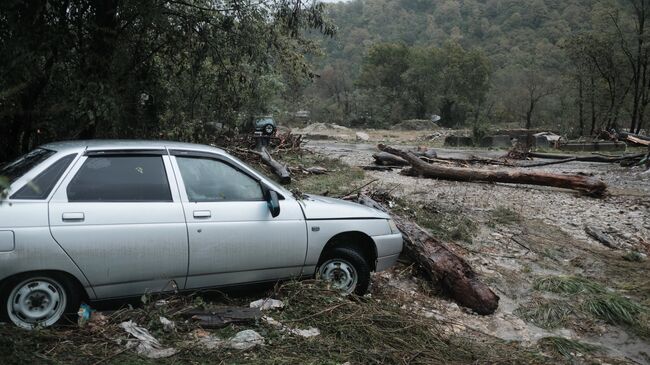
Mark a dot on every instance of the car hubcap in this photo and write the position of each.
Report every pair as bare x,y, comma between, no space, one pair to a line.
34,302
340,273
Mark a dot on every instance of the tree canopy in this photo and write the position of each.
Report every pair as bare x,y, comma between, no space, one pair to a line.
146,69
574,66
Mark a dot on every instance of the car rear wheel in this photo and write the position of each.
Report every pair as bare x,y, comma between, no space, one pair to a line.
346,269
38,300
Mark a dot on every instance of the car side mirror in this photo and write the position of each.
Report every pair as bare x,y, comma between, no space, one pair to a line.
273,202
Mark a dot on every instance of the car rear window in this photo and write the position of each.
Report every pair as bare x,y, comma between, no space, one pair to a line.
41,186
120,179
23,164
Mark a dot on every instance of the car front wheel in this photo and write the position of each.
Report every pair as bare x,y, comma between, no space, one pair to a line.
38,300
345,269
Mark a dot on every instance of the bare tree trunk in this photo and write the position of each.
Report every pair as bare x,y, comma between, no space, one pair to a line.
593,105
581,116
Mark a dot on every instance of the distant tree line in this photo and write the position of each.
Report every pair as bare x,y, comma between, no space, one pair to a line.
72,69
399,82
576,66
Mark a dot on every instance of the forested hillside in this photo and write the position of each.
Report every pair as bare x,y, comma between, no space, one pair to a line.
553,63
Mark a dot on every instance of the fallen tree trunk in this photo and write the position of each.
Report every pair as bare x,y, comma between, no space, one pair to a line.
380,167
388,159
553,162
634,138
584,184
431,156
454,273
278,169
593,158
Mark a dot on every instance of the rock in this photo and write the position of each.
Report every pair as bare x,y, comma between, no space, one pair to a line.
362,136
457,141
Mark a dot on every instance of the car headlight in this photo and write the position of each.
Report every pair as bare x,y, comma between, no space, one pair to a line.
393,227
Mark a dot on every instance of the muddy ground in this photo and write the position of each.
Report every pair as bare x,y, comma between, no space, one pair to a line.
517,237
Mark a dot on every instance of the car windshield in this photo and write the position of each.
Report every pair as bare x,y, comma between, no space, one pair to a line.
265,120
19,167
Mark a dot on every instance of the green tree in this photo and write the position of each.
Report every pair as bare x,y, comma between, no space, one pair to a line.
146,69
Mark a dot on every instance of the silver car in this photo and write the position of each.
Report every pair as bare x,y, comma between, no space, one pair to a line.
92,220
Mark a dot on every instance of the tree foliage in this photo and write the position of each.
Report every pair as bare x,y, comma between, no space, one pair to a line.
422,81
584,61
147,69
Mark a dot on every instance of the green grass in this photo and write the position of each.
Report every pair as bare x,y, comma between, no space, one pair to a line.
446,225
463,230
567,347
340,179
633,256
588,301
547,314
504,216
567,285
614,308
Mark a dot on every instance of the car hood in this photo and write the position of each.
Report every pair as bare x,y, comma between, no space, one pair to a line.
320,207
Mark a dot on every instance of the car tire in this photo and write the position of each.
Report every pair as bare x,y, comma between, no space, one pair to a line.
268,130
38,300
346,268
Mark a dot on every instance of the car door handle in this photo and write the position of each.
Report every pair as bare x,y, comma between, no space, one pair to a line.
73,217
202,214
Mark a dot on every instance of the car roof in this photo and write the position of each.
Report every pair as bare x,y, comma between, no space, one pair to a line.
112,144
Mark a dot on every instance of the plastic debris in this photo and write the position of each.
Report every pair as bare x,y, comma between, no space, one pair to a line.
243,340
97,320
161,303
145,344
168,326
266,304
310,332
84,314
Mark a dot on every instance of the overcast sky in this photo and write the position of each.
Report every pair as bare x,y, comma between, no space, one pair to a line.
334,1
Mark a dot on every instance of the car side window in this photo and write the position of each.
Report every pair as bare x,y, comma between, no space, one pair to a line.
120,179
208,180
40,187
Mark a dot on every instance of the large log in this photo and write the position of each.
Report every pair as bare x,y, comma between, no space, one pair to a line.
388,159
636,139
584,184
278,169
455,275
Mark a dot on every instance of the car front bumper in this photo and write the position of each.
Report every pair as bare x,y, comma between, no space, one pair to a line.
389,248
